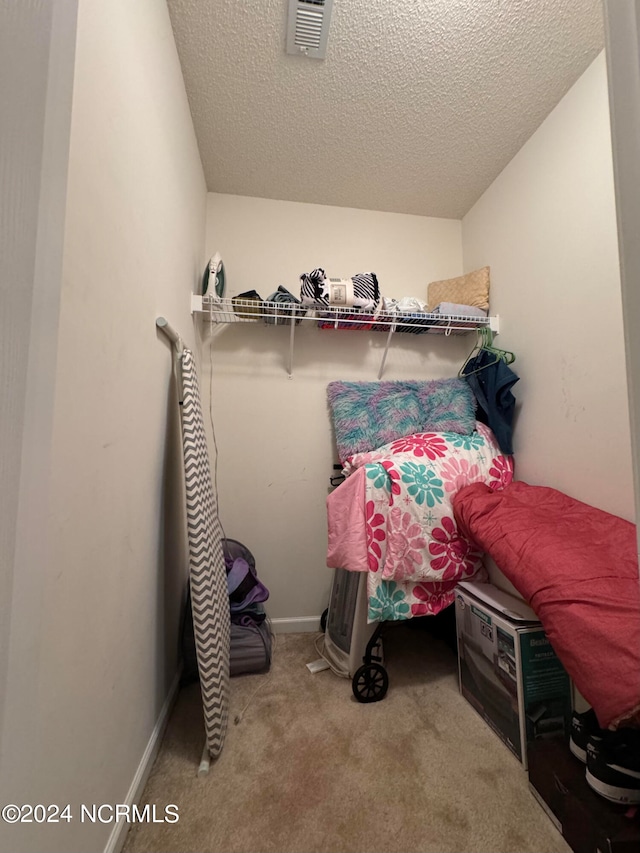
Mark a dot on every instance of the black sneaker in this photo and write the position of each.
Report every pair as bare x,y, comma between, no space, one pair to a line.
613,766
583,727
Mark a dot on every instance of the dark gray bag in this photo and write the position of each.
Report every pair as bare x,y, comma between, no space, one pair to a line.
250,647
251,639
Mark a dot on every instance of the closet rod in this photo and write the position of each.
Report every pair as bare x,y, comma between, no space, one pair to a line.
170,332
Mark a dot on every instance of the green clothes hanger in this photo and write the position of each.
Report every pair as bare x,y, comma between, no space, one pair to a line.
484,341
506,356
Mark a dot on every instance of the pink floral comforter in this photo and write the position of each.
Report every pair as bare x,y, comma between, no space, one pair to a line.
393,517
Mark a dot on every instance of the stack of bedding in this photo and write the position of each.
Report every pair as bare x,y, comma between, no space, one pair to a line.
406,449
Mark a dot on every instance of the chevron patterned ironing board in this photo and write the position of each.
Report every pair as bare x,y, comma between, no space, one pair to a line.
208,578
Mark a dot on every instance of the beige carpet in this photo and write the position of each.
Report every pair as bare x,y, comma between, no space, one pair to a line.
310,769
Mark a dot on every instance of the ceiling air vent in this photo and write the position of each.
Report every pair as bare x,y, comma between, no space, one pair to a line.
308,27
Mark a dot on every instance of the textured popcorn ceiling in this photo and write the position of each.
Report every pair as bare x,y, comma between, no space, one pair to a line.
417,107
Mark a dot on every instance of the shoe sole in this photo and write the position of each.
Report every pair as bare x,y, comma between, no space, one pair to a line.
613,793
580,754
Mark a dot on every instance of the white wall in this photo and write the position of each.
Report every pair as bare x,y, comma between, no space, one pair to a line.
37,43
622,26
115,577
273,433
23,31
547,228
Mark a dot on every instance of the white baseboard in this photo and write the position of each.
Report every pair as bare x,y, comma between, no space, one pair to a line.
296,625
120,829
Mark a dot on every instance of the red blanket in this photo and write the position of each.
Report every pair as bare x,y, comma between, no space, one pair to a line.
577,567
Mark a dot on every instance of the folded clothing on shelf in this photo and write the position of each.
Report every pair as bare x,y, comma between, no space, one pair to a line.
281,306
361,291
459,309
247,303
347,319
410,314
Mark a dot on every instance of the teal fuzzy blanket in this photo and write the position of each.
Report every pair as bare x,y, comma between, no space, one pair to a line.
367,415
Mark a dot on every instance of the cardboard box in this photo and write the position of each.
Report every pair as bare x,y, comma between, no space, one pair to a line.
588,822
507,669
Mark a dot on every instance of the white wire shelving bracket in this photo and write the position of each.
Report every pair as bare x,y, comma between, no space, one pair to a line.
171,333
178,346
235,310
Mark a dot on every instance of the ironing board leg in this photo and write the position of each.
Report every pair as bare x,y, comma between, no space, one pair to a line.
205,762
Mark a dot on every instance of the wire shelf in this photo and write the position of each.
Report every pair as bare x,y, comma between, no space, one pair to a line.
259,311
235,310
